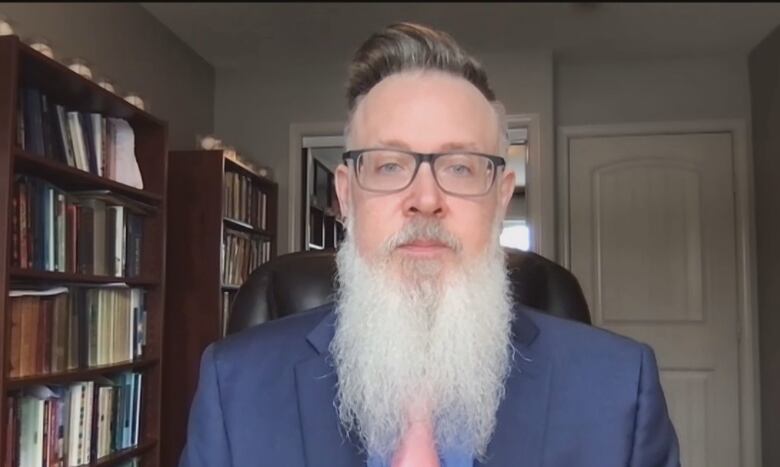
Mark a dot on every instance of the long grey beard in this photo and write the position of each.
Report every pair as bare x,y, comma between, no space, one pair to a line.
425,335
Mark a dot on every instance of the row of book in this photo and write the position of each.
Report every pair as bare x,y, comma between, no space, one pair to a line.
244,201
61,329
242,253
87,141
87,232
75,424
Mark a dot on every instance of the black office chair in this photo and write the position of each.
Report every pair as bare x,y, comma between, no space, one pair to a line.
296,282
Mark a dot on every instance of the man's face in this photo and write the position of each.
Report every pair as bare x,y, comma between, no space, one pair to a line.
424,112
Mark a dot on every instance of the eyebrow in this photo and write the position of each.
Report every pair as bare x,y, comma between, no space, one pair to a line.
454,146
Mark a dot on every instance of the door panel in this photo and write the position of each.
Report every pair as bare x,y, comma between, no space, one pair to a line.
652,241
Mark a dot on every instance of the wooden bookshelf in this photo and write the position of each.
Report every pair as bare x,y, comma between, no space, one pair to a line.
196,226
21,66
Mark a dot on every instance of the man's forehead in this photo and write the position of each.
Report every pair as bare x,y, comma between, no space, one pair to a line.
465,145
416,100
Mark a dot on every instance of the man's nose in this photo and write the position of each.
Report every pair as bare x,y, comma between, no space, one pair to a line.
424,195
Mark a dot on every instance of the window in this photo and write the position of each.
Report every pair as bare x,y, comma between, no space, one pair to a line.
516,234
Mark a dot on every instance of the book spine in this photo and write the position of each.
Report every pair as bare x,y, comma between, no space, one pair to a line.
15,226
24,230
65,136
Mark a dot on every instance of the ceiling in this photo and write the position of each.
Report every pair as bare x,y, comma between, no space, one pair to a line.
234,35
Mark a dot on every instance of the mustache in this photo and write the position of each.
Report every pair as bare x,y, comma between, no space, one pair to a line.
424,229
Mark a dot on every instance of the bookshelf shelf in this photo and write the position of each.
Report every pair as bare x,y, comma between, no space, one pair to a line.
20,274
125,454
75,179
202,247
41,218
236,224
81,374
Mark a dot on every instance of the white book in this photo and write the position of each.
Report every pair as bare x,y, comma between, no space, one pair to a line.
88,414
103,421
31,431
137,416
120,239
126,168
97,132
75,410
133,321
79,145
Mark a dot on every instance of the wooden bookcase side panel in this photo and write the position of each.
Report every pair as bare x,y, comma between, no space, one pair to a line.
194,255
8,86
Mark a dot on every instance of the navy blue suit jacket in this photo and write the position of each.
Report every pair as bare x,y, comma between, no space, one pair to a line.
577,396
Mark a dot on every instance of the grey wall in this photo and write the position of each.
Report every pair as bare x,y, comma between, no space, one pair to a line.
255,107
652,90
765,97
128,44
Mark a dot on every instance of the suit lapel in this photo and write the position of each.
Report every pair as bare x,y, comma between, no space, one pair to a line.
522,415
325,444
521,419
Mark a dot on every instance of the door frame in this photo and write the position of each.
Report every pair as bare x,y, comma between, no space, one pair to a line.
297,132
747,316
539,181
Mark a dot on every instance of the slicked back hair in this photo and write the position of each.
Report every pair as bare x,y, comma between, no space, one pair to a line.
405,47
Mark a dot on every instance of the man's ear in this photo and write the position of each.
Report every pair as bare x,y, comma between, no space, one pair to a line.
343,189
506,187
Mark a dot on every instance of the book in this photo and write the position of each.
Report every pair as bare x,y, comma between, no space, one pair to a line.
59,329
79,141
135,236
66,137
97,123
33,123
88,134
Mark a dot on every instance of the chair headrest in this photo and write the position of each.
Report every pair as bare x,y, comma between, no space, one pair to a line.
300,281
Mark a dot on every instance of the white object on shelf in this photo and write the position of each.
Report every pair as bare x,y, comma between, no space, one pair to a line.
37,292
136,100
127,170
42,45
107,84
80,66
5,27
210,142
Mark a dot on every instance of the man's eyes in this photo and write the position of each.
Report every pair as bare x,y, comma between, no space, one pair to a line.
389,168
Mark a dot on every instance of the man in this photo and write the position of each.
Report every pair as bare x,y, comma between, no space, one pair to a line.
423,360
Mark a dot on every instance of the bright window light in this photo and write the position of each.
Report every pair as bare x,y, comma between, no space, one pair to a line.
516,234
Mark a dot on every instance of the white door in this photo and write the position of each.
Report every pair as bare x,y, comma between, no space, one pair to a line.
652,241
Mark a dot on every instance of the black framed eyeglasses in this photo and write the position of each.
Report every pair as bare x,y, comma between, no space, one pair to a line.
459,173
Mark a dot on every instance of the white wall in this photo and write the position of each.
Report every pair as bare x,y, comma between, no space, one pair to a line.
651,90
127,43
